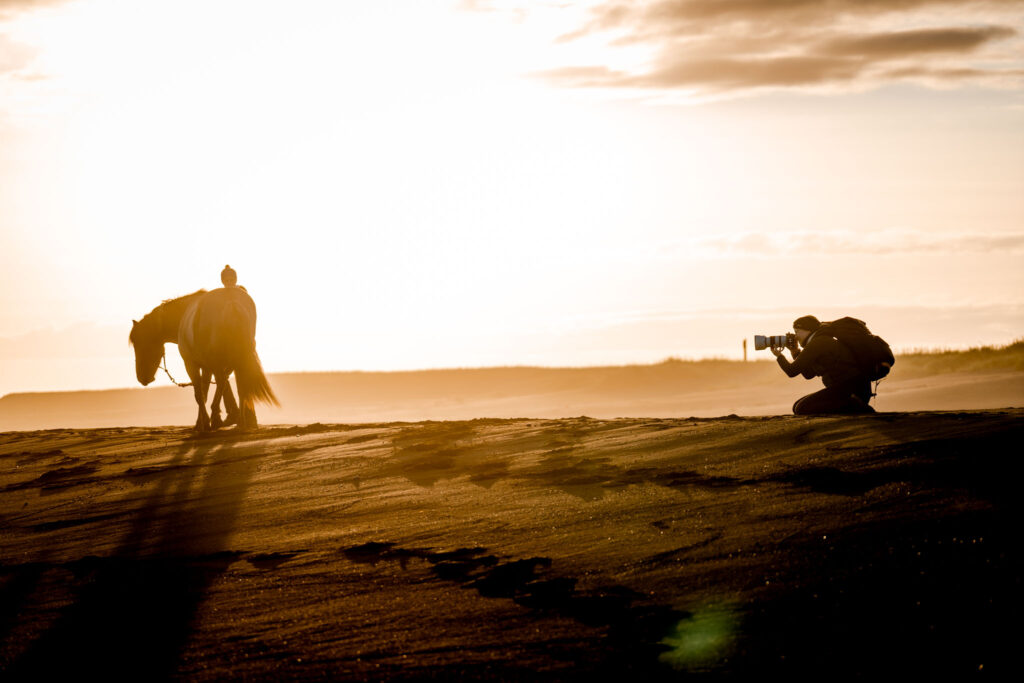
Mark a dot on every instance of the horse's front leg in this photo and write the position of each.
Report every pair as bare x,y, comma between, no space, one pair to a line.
200,382
215,420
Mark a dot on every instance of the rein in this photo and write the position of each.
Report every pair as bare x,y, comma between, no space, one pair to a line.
163,362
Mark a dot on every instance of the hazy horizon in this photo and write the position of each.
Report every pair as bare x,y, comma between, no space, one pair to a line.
439,184
106,372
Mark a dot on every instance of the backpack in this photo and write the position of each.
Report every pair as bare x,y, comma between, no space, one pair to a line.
871,353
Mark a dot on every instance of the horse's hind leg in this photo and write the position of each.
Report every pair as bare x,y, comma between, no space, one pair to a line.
230,407
246,413
200,383
223,392
215,420
246,409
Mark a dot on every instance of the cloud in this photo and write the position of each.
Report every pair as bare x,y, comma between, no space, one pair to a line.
870,243
739,45
905,43
719,74
687,17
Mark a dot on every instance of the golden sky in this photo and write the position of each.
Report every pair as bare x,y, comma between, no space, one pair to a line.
437,184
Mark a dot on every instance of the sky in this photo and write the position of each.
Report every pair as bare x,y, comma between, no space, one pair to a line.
417,184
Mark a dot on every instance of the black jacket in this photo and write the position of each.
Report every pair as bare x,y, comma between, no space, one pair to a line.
825,357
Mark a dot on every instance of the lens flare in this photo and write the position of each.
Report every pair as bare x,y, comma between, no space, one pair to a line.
704,639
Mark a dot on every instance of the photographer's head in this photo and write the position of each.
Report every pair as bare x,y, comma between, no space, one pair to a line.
804,327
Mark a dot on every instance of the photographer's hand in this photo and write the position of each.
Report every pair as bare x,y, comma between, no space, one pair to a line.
778,350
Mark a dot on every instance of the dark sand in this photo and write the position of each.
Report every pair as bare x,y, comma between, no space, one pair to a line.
505,549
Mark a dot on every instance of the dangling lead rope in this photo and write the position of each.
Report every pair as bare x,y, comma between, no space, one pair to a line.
163,361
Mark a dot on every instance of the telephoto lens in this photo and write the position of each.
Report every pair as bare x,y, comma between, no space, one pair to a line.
765,341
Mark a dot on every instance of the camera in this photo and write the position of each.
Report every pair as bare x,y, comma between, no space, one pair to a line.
787,340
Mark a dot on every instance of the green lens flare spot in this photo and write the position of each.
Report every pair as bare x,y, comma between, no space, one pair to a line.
703,639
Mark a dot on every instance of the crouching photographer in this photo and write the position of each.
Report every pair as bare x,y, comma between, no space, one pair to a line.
818,354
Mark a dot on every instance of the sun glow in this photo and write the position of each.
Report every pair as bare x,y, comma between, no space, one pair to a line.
398,188
376,153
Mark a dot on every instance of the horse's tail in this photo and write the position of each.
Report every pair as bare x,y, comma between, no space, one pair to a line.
252,382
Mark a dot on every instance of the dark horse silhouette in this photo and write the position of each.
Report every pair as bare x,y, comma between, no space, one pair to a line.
216,335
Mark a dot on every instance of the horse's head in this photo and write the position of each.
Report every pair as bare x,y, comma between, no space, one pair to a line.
149,349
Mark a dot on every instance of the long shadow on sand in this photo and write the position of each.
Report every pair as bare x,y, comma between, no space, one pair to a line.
133,610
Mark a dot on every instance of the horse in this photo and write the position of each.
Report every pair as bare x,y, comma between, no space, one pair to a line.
216,335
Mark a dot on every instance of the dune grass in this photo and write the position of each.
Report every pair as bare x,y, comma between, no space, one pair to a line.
978,359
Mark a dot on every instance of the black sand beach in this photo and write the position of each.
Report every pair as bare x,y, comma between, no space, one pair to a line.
507,549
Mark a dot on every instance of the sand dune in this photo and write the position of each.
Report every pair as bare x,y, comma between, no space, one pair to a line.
550,549
671,389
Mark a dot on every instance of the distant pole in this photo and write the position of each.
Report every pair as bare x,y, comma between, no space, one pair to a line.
744,349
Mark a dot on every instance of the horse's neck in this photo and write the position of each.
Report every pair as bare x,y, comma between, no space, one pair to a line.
171,314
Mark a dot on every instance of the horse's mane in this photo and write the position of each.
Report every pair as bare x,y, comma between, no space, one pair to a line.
182,298
165,303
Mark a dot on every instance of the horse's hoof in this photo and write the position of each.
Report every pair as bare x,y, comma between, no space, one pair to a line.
216,422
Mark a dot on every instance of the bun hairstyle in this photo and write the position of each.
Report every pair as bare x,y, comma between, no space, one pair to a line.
807,322
228,276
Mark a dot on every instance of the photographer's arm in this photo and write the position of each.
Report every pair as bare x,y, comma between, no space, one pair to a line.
801,361
780,355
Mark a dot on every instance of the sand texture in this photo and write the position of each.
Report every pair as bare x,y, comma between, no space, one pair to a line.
514,549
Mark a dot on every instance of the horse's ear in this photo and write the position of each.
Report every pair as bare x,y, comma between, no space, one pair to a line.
134,323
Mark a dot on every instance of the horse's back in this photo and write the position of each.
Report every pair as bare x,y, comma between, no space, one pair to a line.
218,327
220,304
